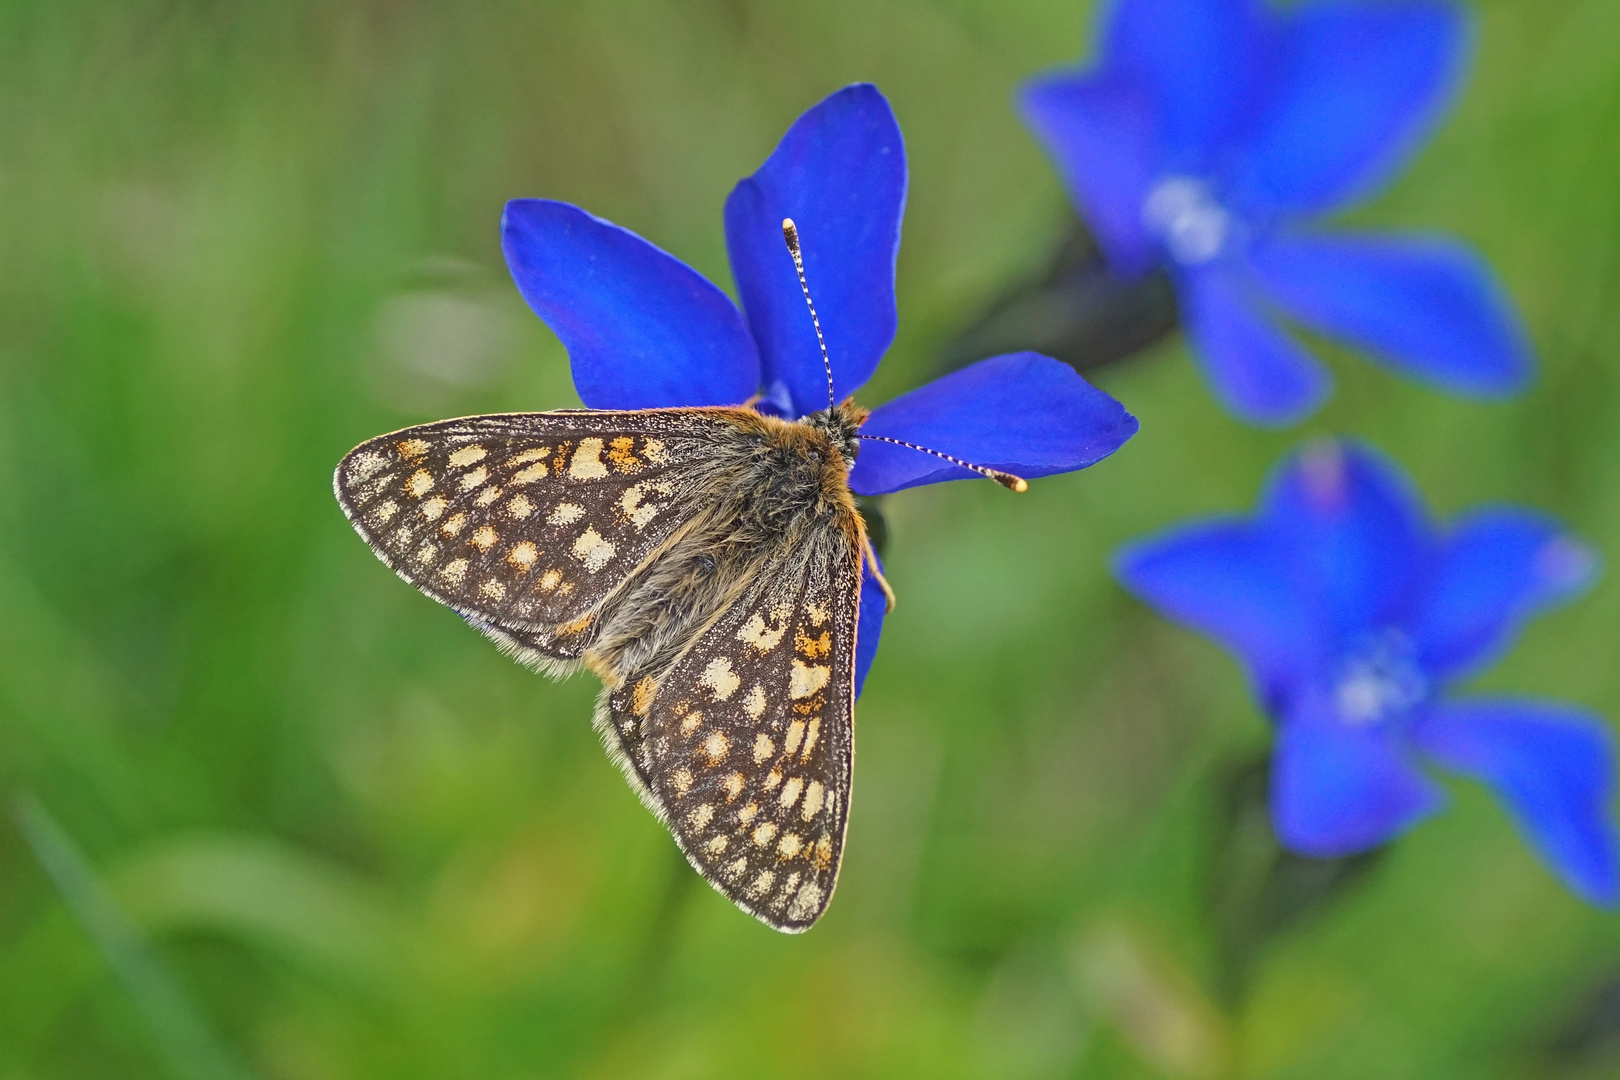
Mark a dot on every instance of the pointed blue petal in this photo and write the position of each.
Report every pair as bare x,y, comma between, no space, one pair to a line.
1496,568
1021,413
1197,60
840,174
1359,542
1100,133
1554,768
643,330
1428,308
1338,789
1221,578
874,606
1258,373
1356,85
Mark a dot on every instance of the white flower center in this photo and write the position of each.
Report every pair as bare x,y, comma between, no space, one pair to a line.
1379,682
1183,213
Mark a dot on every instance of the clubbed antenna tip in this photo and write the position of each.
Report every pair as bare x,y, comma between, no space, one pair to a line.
790,233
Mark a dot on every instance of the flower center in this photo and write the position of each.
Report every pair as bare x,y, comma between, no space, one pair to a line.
1183,213
1379,682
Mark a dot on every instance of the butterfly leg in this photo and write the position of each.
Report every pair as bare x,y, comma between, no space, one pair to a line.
872,564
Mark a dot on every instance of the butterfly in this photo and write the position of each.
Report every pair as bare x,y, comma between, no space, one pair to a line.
705,563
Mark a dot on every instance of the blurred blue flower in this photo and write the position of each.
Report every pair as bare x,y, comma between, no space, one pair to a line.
1210,130
644,330
1355,614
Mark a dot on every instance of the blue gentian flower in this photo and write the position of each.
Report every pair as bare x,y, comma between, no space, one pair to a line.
644,330
1356,615
1210,132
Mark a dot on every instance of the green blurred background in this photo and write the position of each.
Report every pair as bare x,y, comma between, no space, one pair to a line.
274,814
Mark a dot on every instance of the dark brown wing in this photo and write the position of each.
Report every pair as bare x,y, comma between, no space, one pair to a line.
744,747
525,522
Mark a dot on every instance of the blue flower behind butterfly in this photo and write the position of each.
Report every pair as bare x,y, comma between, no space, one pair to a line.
644,330
1355,614
1210,131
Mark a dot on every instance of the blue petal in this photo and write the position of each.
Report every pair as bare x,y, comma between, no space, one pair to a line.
1100,133
1428,308
1021,413
1496,568
1338,789
874,606
1222,579
840,174
1356,87
1258,372
1553,767
1359,544
643,330
1197,60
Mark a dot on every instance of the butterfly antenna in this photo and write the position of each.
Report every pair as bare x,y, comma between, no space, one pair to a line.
790,233
1005,479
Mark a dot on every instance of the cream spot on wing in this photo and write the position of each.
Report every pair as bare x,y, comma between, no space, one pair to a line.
483,538
765,833
488,495
654,451
587,463
763,747
761,885
717,844
550,580
534,453
795,735
733,786
520,507
428,553
790,792
364,466
593,551
812,800
523,555
817,613
420,483
773,778
411,449
754,702
385,513
474,478
454,570
716,747
748,813
832,803
810,739
468,455
734,869
682,780
700,818
806,903
762,637
790,845
806,679
691,722
432,508
565,514
720,679
453,524
531,473
493,590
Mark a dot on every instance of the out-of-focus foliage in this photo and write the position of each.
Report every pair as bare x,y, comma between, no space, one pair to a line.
344,838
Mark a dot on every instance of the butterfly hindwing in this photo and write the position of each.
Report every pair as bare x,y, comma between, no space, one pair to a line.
745,745
527,521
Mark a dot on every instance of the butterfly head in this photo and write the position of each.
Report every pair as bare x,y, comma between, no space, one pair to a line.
841,424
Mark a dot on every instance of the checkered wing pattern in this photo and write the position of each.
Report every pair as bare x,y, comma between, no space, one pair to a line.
526,522
745,745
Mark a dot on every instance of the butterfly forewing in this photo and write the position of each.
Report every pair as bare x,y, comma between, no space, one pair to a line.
526,521
745,746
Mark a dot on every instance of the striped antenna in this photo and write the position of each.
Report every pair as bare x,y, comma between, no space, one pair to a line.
1005,479
790,233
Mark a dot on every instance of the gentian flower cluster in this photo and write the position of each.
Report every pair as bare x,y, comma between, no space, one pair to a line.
1209,132
644,330
1355,615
